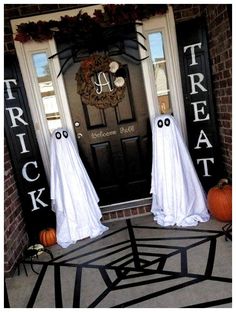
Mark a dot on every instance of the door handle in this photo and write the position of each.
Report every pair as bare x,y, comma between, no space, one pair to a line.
79,135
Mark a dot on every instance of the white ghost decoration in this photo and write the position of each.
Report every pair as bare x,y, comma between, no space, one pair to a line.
74,199
177,194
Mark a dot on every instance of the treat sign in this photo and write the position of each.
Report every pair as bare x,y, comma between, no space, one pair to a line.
198,100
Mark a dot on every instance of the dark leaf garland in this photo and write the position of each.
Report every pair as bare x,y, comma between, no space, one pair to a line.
69,29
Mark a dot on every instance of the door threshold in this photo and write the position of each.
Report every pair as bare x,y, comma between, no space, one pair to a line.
126,205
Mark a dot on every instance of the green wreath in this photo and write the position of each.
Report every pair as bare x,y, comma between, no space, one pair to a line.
90,91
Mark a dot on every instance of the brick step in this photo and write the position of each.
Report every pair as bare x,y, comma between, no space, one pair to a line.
126,213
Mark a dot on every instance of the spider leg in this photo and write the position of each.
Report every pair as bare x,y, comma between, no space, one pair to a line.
73,55
67,48
133,34
135,40
134,58
66,61
139,33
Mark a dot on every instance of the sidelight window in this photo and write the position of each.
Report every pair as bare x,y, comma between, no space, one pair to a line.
160,71
47,92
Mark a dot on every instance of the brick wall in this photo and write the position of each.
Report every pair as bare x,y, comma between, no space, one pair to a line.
15,237
220,43
220,48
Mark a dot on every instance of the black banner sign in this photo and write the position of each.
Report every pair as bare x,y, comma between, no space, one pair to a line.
198,100
27,163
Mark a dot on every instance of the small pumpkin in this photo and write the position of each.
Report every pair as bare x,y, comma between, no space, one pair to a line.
47,237
219,199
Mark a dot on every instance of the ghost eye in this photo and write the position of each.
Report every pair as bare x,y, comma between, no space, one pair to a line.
160,123
167,122
58,135
65,134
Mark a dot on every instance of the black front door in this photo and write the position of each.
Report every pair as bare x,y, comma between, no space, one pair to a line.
114,143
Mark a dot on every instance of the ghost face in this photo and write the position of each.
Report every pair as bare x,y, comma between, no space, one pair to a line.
59,133
165,128
165,122
61,141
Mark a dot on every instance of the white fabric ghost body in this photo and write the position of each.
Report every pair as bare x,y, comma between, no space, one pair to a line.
74,199
177,194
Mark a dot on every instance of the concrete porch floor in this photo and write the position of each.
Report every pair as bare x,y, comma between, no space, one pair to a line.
135,264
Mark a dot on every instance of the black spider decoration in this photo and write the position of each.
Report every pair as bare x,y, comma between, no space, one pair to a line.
112,40
110,30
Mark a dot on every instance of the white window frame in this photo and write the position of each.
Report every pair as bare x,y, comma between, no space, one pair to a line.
24,52
165,24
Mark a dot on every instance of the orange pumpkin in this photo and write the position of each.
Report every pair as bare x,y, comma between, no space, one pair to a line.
47,237
219,199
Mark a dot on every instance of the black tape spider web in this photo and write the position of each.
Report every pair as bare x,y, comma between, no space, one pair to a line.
132,265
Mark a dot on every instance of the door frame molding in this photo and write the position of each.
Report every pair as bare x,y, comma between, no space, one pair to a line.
166,23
